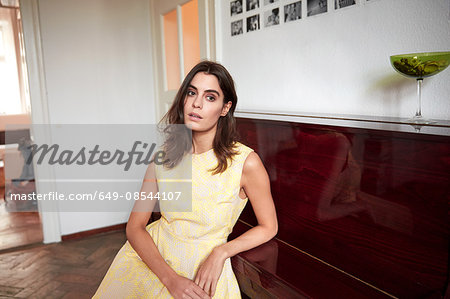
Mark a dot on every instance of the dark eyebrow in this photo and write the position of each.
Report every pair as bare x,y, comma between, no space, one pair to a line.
214,91
208,90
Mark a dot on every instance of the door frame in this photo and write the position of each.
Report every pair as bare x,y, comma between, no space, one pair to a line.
29,10
207,31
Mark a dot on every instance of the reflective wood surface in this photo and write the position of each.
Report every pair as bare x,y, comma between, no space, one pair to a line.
372,203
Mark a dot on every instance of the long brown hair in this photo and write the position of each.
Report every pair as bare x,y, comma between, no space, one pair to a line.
179,142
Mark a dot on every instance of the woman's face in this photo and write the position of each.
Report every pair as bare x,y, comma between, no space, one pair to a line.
203,104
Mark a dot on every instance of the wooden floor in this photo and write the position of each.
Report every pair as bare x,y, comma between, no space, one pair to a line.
70,269
18,228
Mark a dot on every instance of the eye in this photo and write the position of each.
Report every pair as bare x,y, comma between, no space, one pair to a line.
191,93
210,98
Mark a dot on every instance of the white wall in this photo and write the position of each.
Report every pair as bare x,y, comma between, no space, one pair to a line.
98,69
338,62
97,58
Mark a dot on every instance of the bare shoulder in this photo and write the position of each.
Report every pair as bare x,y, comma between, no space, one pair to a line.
253,168
252,162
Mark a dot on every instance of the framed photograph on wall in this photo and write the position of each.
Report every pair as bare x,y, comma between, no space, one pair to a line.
316,7
236,7
253,23
252,4
237,27
293,11
267,2
343,3
272,17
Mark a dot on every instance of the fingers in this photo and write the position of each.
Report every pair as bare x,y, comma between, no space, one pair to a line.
203,284
199,282
187,296
200,293
213,288
207,287
190,294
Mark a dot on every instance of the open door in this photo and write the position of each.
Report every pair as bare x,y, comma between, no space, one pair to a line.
183,35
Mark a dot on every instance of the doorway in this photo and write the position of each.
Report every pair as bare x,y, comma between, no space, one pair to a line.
20,222
184,34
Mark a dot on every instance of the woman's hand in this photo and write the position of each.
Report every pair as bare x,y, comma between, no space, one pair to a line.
209,271
182,287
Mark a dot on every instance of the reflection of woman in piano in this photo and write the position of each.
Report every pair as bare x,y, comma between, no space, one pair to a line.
342,195
336,173
323,169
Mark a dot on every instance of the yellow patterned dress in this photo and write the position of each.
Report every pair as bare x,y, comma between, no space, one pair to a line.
185,239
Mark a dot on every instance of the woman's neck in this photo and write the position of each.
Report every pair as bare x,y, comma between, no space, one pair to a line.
202,141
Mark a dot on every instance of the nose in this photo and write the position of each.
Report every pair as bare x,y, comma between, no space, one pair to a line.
197,103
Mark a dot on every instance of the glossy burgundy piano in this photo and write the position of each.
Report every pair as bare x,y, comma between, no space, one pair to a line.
363,209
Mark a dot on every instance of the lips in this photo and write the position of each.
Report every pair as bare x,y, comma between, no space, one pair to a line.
195,115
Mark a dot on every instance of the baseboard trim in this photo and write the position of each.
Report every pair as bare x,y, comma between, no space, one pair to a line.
96,231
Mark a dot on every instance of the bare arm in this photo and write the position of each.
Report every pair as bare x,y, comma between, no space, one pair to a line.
139,238
256,184
145,247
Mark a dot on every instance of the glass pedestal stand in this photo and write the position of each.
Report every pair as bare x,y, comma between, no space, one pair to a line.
418,118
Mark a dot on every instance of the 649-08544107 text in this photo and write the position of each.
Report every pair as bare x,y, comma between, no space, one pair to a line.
98,195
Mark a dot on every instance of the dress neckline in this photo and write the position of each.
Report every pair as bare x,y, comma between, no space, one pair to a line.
212,149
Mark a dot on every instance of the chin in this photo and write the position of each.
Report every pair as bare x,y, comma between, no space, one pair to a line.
192,126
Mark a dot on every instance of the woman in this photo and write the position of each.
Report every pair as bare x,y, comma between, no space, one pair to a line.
186,254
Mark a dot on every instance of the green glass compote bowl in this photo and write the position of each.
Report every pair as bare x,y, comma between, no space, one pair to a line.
420,66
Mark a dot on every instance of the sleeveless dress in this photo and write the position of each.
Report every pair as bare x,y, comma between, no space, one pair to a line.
185,239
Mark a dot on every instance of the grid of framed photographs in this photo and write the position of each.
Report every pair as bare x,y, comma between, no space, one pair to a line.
253,15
